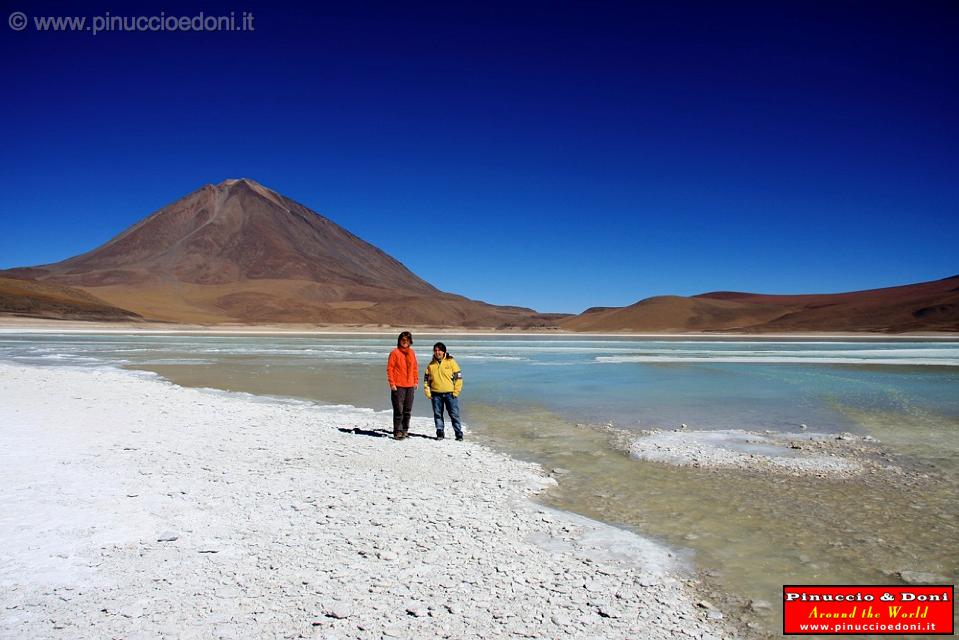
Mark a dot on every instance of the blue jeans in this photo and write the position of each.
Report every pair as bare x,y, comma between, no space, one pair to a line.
452,405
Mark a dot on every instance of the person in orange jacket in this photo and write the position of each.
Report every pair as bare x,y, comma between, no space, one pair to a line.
403,375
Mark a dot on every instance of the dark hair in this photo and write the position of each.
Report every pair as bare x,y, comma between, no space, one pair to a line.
405,334
440,346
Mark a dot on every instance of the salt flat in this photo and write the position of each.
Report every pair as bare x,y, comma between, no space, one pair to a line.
130,507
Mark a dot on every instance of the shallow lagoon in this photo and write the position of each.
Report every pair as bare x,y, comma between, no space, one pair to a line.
553,399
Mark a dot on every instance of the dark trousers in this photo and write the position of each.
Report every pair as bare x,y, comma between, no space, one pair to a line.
402,400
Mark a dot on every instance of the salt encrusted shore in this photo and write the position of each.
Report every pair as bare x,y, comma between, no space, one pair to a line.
130,507
843,455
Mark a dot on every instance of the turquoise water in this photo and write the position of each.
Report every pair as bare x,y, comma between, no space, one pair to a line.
538,397
707,384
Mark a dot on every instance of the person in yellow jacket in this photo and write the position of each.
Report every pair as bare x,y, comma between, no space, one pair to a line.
442,383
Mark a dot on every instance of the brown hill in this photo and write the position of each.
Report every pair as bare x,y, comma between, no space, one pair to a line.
927,306
44,300
239,252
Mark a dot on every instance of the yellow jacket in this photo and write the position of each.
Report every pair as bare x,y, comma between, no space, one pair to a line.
443,376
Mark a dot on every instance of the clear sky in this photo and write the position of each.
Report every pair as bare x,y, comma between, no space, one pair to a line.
545,154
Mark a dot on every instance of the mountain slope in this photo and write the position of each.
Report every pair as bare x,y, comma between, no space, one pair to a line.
44,300
927,306
239,252
231,232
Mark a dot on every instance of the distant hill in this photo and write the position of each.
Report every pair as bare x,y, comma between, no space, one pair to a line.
238,252
927,306
44,300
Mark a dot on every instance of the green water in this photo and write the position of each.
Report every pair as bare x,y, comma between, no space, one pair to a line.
752,532
547,400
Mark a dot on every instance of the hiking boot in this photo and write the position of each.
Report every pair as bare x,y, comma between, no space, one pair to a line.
398,435
459,436
440,436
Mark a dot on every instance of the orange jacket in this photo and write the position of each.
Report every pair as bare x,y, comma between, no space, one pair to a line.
401,368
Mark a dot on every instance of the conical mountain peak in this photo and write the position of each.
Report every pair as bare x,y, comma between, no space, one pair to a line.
233,185
236,231
238,251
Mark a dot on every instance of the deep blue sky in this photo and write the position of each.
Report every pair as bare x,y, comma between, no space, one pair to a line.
544,154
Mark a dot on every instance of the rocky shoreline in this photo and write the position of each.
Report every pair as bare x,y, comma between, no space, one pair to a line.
135,508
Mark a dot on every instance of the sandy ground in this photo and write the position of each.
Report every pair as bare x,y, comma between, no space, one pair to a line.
133,508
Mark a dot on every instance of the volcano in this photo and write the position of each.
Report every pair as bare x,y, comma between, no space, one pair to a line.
238,252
